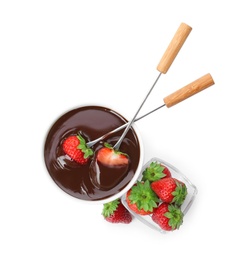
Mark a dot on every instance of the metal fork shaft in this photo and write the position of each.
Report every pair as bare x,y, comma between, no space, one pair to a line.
117,145
91,143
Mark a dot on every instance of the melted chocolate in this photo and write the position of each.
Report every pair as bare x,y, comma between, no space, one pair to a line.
100,174
73,178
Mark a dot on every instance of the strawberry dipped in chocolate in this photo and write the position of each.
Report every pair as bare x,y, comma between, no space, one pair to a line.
75,147
108,167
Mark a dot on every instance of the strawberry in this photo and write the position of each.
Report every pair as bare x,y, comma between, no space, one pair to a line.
170,190
141,199
167,172
115,212
108,156
75,147
169,217
155,171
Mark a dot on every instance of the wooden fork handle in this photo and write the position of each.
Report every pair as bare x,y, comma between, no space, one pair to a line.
174,47
189,90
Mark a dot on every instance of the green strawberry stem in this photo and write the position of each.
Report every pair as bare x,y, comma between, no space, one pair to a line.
175,216
154,172
84,148
109,208
179,194
143,196
107,145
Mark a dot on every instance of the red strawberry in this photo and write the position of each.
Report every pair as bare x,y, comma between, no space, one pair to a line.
170,190
167,172
75,147
108,156
155,171
169,217
141,199
115,212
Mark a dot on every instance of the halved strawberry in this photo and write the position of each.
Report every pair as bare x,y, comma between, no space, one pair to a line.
141,199
155,171
75,147
108,156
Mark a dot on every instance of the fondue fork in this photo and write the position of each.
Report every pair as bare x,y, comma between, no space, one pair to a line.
163,66
169,101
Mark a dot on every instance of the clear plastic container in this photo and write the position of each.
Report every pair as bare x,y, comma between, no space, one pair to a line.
191,193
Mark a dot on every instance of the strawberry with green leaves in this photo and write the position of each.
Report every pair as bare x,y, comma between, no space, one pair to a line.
170,190
155,171
115,212
75,147
109,156
169,217
141,199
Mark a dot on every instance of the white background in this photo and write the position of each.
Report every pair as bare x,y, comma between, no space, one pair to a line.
56,55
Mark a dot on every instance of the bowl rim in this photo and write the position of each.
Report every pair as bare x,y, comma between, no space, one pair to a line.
140,163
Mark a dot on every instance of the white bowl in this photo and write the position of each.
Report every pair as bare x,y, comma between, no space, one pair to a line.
137,172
